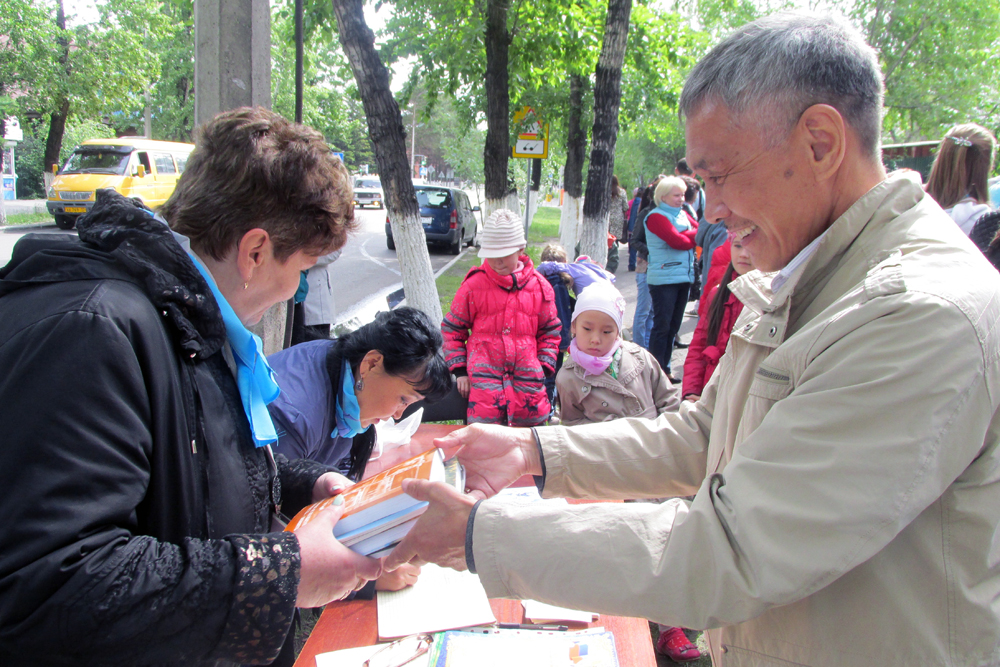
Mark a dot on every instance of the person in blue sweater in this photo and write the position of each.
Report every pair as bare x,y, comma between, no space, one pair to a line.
333,392
670,237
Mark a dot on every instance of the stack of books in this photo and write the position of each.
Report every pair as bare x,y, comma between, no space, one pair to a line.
377,514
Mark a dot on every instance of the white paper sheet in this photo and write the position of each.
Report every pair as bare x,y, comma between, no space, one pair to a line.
539,612
442,599
355,657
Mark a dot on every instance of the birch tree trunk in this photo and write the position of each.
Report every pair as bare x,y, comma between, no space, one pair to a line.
607,96
496,152
388,137
576,150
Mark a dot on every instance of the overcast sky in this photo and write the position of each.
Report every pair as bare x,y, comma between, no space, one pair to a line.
85,11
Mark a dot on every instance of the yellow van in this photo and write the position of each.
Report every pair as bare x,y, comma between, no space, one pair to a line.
135,167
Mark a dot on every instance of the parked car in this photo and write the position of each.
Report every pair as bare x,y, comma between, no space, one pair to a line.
368,192
447,216
134,167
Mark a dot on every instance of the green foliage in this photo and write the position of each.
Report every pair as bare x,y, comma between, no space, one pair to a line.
330,102
940,61
646,149
101,68
172,95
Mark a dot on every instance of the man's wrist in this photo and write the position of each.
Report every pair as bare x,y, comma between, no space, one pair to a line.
470,560
532,451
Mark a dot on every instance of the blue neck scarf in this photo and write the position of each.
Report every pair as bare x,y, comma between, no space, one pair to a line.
348,410
674,212
254,376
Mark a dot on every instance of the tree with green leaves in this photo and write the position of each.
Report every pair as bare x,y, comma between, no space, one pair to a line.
939,59
329,90
94,69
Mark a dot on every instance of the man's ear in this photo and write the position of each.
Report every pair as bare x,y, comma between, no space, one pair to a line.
825,133
252,251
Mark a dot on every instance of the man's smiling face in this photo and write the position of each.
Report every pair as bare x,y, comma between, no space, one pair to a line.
769,186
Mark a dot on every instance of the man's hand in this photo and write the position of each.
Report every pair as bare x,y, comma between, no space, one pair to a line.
463,385
494,456
439,534
330,484
329,570
399,579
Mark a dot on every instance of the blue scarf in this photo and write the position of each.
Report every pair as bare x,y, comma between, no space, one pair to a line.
254,376
670,211
348,410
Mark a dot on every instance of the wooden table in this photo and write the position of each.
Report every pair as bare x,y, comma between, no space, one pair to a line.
355,623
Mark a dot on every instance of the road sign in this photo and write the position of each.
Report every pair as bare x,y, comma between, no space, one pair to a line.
536,148
533,135
340,155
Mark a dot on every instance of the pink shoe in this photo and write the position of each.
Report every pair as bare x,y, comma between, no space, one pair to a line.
674,644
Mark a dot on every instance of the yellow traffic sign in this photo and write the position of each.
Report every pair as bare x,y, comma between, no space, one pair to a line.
533,135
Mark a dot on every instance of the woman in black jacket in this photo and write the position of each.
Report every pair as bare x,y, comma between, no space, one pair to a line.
140,493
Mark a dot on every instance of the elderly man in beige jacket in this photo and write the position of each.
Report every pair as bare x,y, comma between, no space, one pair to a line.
845,454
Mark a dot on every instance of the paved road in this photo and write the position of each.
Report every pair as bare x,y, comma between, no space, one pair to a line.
368,268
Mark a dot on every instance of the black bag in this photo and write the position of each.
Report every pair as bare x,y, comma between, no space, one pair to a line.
985,229
695,292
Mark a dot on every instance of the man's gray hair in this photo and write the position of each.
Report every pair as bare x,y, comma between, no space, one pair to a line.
775,68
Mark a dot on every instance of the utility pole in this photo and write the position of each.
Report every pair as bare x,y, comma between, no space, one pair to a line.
413,142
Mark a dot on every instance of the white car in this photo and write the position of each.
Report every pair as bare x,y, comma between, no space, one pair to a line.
368,192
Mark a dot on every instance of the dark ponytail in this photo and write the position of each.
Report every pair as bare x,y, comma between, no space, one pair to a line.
718,306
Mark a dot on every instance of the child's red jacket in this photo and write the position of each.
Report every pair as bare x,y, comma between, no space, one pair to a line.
503,332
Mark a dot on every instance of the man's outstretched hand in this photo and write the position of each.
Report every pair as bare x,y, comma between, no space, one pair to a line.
494,456
439,534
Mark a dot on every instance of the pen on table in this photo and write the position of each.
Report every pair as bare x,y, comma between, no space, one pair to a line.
532,626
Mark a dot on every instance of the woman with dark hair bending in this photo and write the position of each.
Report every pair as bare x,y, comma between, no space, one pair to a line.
332,391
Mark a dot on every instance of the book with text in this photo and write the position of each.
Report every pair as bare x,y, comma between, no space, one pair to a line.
377,504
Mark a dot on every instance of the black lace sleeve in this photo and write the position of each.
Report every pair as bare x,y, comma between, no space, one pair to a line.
262,606
297,480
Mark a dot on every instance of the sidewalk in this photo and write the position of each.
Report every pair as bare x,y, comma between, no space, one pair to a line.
19,206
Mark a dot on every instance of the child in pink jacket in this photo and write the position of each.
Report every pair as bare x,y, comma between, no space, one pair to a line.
501,336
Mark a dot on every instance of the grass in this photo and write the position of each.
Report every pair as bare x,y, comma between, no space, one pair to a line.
28,218
448,282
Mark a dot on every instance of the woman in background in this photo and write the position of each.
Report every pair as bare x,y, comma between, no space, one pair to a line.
958,180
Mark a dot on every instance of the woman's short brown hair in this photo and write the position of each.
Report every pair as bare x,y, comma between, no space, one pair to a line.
252,168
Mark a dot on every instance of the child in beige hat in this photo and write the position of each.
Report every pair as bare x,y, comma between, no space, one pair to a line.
502,332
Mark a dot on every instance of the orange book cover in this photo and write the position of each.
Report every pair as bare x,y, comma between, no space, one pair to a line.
367,494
